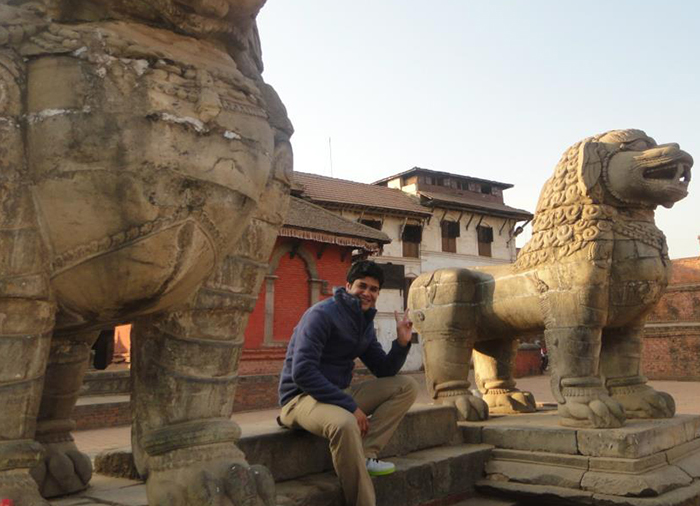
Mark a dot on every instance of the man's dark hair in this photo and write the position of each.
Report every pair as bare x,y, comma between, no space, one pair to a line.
364,269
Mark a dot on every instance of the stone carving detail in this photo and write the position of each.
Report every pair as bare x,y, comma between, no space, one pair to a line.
144,173
594,267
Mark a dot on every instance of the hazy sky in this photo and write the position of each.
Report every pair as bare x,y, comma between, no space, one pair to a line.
495,89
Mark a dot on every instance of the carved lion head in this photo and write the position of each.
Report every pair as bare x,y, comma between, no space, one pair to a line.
641,173
595,178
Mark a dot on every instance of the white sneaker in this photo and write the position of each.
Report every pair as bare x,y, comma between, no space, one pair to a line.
377,467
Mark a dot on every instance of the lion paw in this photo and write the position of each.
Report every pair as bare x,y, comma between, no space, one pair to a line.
212,483
64,470
469,407
508,402
642,401
599,411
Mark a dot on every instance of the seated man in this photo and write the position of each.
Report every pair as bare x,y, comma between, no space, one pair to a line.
315,391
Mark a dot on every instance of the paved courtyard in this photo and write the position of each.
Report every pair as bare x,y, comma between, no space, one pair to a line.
686,394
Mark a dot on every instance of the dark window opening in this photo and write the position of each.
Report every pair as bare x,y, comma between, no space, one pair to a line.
406,288
376,224
393,276
411,238
486,189
449,231
485,238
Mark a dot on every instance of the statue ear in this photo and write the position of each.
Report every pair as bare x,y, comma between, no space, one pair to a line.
590,166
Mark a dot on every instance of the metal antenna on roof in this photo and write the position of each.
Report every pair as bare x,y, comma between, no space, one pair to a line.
330,154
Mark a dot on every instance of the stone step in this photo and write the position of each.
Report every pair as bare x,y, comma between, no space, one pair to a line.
106,383
432,477
291,454
423,477
485,501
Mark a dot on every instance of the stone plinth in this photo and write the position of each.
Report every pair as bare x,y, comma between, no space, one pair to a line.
654,462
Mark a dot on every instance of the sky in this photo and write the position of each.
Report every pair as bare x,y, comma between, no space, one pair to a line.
494,89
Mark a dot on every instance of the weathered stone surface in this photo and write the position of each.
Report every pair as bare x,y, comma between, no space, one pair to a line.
653,483
291,454
145,171
558,496
552,459
686,457
629,462
595,265
420,477
532,473
638,438
545,495
542,439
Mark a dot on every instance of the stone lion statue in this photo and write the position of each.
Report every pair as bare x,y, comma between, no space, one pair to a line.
144,173
595,266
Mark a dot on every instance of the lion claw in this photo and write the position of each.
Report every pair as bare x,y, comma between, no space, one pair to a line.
601,412
511,402
219,484
642,401
469,407
64,470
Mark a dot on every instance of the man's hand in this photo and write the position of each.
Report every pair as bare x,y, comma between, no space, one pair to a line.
362,421
404,328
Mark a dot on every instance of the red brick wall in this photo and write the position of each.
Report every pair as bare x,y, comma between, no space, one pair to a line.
292,296
292,290
527,363
672,335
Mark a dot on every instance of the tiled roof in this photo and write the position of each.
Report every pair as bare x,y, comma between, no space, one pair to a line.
307,216
339,192
465,202
504,186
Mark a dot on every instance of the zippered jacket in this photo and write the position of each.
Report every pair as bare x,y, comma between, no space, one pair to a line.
325,343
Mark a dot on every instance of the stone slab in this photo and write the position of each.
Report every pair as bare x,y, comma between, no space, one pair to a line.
559,496
652,483
541,432
639,438
536,474
421,477
290,454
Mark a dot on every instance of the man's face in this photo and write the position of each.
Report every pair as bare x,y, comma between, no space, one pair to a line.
365,289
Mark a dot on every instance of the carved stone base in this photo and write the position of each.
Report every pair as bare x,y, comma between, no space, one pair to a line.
646,462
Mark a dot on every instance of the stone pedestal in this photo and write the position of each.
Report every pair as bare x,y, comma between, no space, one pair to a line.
654,462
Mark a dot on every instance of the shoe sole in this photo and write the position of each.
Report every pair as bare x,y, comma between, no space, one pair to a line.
381,473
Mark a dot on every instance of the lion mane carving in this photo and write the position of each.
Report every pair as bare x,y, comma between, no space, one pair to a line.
145,168
594,267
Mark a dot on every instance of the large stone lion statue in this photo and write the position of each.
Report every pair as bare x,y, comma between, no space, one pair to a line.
144,173
594,267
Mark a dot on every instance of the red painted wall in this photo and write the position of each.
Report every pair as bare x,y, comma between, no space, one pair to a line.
292,289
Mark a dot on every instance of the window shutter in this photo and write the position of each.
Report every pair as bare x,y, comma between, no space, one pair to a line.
454,229
393,276
485,234
449,229
412,233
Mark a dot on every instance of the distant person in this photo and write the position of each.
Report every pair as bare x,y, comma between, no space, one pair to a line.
315,392
544,357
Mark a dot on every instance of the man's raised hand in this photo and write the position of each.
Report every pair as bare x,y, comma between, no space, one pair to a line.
404,328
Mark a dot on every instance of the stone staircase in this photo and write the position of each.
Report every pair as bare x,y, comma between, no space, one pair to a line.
434,466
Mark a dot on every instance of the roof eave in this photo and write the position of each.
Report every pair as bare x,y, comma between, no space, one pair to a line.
520,216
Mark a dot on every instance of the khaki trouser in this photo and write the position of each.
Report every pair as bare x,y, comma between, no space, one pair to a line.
386,399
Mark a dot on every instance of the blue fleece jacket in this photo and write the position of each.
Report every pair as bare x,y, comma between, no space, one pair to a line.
325,343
